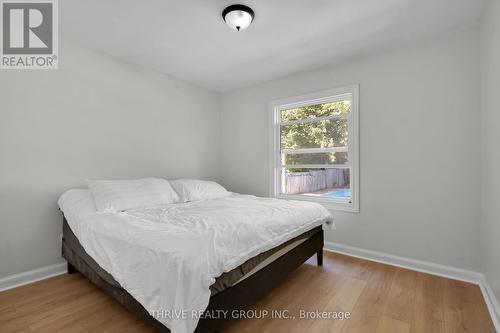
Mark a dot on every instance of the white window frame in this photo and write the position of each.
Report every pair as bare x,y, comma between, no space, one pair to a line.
326,96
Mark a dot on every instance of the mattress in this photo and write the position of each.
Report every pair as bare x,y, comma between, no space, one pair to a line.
73,250
258,262
173,258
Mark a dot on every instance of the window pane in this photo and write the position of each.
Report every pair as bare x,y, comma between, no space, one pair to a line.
325,183
318,134
316,158
318,110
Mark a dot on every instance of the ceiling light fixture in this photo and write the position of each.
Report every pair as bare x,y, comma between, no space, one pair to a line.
238,17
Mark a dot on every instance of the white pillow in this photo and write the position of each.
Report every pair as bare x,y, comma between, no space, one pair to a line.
194,189
118,195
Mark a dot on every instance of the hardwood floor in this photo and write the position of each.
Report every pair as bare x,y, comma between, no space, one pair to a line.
380,298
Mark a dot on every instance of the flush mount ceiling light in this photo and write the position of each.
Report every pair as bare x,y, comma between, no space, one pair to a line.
238,17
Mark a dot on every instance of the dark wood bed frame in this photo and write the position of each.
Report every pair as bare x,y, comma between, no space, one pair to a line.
238,297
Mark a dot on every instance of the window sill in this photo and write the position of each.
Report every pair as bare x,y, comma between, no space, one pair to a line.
335,205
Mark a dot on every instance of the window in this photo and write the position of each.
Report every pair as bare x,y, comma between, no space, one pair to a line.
314,149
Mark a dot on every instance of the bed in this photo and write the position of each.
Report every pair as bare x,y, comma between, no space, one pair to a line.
126,256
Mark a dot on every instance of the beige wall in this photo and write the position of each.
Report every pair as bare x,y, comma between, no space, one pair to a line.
490,86
95,117
420,147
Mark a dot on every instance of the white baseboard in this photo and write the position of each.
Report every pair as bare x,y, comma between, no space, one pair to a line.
21,279
426,267
491,302
413,264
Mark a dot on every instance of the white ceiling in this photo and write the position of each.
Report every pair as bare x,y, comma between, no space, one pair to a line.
189,40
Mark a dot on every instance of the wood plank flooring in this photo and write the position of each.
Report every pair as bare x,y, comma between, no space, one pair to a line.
380,298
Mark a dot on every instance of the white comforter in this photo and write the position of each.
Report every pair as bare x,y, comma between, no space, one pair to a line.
167,257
